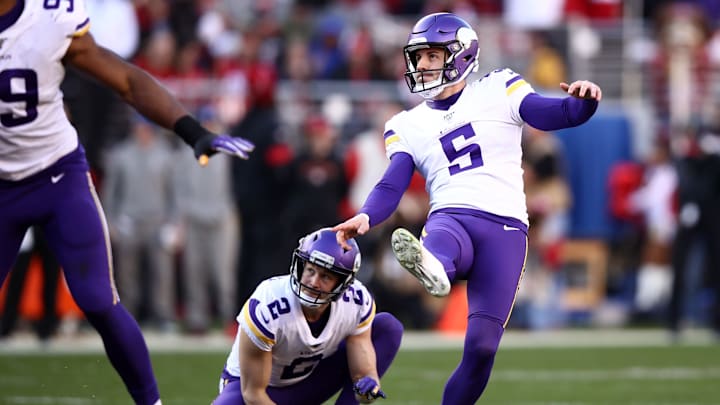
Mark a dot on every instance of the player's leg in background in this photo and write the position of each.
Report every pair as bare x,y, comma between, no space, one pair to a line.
491,288
47,325
12,228
15,214
13,293
77,234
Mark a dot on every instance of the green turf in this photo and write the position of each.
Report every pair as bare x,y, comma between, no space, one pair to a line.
652,376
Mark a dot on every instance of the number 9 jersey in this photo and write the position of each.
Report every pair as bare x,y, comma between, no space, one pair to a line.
274,321
34,130
469,151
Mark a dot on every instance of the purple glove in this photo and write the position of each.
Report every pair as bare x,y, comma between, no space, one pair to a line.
368,390
209,144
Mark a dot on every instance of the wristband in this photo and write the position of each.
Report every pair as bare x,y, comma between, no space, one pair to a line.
189,129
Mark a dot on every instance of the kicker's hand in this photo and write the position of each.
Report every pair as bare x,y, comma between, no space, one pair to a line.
210,144
367,390
583,89
357,225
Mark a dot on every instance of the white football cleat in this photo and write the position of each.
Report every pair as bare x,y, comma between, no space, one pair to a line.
414,258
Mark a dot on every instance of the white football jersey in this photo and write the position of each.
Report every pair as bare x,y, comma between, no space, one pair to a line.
274,321
34,130
470,154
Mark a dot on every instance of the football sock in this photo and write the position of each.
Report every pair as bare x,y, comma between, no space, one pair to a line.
127,352
470,378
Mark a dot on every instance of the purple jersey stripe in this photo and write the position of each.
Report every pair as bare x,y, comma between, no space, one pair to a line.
513,80
83,24
388,133
253,304
369,312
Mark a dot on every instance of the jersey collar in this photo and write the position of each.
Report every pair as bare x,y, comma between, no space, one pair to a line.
445,103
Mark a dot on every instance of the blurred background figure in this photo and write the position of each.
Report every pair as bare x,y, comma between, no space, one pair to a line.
142,215
548,202
317,185
33,244
696,247
208,221
259,184
654,201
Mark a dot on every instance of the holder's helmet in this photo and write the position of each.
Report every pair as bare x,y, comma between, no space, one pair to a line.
456,37
321,248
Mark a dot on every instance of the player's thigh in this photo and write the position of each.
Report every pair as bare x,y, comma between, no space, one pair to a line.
231,394
497,269
77,235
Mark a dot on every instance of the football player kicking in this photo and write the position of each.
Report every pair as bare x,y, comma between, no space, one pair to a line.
307,335
465,140
44,177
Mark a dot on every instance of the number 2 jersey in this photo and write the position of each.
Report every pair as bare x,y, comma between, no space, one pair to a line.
273,319
34,130
469,152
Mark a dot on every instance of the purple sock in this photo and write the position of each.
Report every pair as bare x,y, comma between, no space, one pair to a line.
470,378
126,349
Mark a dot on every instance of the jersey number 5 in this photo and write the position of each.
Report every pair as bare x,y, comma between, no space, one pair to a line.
453,154
29,96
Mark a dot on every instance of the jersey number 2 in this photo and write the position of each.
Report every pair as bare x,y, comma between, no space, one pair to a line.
453,154
29,96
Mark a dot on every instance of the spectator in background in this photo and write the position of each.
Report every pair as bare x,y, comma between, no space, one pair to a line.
546,66
698,171
259,184
654,201
142,216
317,183
548,205
209,225
680,69
34,243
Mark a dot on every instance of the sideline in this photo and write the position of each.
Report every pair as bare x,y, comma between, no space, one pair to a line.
89,342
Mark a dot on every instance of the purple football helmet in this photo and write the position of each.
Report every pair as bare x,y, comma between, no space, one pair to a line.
322,249
456,37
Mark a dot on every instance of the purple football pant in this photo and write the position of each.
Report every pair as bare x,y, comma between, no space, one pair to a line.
62,200
489,252
331,374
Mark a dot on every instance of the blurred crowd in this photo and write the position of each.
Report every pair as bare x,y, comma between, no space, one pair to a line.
311,83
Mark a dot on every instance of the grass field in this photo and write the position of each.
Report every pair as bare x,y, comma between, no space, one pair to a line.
657,375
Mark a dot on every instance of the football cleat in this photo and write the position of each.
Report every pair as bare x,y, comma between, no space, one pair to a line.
417,260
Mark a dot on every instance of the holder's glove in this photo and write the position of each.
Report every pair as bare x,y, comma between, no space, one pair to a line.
367,390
